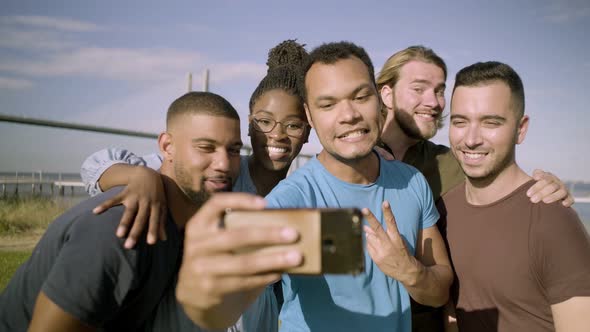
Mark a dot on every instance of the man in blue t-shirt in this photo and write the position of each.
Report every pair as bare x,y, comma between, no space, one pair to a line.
405,254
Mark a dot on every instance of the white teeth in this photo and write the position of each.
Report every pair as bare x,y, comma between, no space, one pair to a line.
472,155
273,149
426,116
354,134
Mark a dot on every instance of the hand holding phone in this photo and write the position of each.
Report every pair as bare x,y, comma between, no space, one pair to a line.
330,238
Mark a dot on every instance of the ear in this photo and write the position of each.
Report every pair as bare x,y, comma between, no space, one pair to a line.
387,96
522,129
166,145
305,136
308,115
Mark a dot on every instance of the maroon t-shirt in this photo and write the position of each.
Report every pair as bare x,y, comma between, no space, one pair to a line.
513,259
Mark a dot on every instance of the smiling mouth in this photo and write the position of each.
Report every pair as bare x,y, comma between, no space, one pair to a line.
274,149
354,133
219,183
474,155
428,116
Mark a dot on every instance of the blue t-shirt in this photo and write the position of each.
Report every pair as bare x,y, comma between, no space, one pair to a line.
370,301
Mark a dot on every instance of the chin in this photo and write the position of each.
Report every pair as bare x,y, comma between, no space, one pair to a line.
276,165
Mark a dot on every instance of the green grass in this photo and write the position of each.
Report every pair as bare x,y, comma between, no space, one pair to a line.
24,215
20,220
9,262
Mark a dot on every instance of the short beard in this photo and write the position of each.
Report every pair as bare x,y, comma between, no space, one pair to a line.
408,126
197,197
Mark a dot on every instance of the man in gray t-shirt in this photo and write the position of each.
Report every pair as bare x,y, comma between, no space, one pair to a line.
81,278
82,267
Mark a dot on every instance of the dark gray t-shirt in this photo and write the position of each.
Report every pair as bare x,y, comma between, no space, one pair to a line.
82,266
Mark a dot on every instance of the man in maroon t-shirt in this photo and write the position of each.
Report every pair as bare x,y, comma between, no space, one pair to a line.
519,266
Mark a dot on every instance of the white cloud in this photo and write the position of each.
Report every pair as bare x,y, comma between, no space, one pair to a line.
14,83
129,65
33,40
56,23
561,11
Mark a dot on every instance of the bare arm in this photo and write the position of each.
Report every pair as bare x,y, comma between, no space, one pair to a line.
427,276
217,279
572,315
432,286
48,316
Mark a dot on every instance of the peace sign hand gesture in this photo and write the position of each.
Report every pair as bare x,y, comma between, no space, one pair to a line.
388,249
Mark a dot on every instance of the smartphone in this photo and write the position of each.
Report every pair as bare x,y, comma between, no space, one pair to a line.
329,238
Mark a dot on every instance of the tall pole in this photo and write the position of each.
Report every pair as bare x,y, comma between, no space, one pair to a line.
190,81
206,80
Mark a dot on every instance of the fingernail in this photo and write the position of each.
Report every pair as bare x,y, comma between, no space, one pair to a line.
535,199
151,239
365,211
120,231
293,257
129,243
289,234
95,210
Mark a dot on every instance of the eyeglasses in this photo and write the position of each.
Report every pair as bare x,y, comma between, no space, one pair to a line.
293,128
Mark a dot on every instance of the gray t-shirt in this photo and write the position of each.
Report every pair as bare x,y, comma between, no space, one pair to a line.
82,266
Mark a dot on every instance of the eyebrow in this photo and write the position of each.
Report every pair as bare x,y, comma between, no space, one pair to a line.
353,93
424,81
485,117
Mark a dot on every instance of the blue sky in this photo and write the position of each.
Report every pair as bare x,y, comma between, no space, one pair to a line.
121,63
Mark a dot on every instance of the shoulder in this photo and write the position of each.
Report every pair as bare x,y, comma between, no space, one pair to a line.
400,172
295,190
555,220
436,149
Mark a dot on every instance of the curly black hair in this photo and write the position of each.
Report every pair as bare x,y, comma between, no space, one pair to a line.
284,70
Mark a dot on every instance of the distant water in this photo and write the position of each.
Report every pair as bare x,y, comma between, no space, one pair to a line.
583,210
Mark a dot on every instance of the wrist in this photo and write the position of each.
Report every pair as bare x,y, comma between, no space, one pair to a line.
413,274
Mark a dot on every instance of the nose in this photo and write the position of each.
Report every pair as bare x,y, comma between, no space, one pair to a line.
348,112
221,162
433,100
473,136
278,131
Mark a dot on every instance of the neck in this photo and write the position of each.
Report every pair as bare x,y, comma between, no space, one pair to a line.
493,188
359,171
264,180
394,137
180,207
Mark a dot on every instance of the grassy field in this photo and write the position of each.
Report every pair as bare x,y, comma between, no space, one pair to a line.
9,262
22,221
29,214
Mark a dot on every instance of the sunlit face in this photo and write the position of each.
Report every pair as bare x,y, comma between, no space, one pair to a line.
205,152
277,148
418,99
484,130
344,108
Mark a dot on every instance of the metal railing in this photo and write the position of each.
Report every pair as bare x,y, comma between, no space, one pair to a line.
299,161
